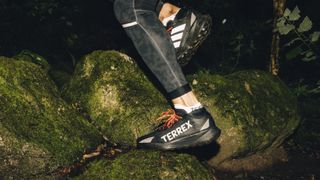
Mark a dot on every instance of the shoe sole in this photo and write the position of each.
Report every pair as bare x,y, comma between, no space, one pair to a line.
198,139
205,28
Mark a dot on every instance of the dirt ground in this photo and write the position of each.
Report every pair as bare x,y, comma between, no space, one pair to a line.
299,165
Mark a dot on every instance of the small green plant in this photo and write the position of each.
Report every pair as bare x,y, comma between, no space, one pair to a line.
302,89
316,90
302,40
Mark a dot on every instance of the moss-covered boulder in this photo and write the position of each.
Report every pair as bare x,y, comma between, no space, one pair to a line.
26,55
254,109
115,93
39,131
19,157
148,165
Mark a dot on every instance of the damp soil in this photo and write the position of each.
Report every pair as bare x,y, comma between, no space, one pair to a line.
300,164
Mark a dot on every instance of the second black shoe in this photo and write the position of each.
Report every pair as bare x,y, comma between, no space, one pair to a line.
181,130
188,30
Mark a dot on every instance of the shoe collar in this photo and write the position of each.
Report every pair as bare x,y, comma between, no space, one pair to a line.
182,13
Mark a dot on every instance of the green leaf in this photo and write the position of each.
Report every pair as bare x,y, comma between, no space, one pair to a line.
315,36
282,27
295,14
281,22
287,12
306,25
308,59
309,54
293,53
284,30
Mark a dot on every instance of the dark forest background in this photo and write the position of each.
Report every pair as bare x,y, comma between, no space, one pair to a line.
62,31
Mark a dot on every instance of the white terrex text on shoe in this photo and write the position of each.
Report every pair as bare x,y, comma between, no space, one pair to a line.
178,131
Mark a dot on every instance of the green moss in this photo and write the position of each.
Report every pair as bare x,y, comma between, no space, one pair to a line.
115,93
32,110
35,58
148,165
20,158
254,109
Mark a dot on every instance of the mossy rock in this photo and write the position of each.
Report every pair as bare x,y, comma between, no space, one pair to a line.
33,57
39,130
148,165
114,92
254,109
20,158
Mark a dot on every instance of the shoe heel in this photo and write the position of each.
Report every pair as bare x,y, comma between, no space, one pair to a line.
211,135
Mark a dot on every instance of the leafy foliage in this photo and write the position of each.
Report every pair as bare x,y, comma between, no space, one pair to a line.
303,40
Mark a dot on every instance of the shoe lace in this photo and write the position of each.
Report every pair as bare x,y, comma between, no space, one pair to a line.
170,26
169,29
168,118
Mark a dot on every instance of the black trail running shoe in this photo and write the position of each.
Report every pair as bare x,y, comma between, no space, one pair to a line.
188,31
181,131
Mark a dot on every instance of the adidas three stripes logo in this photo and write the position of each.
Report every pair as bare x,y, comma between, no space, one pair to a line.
177,32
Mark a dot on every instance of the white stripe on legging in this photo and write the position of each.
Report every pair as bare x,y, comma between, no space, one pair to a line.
129,24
